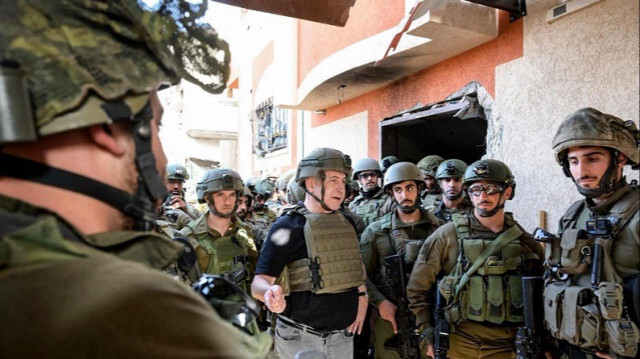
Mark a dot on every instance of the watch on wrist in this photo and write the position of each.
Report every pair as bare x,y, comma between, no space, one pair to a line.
363,294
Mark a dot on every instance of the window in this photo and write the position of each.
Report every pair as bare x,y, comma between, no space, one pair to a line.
270,128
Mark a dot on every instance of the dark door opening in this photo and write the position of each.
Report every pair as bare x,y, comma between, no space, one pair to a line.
455,129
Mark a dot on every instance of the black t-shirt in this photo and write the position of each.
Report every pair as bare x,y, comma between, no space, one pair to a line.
285,244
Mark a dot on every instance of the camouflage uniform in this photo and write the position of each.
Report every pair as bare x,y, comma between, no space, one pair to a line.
486,310
373,207
431,198
601,324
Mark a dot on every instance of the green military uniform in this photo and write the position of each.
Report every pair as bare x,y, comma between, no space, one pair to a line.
588,313
431,200
44,317
445,213
490,318
384,237
371,207
264,215
216,251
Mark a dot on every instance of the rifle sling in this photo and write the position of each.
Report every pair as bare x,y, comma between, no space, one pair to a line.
505,238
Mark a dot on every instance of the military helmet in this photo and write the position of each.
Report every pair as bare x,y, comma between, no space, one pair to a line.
429,165
387,161
590,127
295,193
323,159
177,171
451,169
365,164
219,179
264,188
400,172
250,182
490,170
283,180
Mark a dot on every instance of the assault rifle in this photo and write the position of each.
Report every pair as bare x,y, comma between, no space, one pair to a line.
529,340
406,341
441,342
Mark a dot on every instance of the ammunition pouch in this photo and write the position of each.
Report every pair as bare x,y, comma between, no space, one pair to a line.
590,319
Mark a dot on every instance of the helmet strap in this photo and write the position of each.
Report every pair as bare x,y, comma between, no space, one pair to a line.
212,207
140,206
490,213
607,184
405,209
321,201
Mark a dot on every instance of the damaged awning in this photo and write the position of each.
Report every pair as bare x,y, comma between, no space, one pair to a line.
335,12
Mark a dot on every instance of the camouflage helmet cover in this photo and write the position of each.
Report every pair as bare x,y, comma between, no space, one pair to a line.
365,164
400,172
219,179
176,171
323,159
429,165
490,170
590,127
451,169
77,54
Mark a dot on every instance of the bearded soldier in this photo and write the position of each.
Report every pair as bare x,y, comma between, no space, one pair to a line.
223,244
432,194
372,202
400,232
449,176
176,175
82,171
310,271
480,258
593,266
262,191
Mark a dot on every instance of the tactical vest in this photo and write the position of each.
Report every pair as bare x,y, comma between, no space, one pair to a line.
369,211
222,256
334,263
485,285
399,243
575,311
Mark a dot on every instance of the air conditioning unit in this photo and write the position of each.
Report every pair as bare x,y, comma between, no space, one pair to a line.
567,8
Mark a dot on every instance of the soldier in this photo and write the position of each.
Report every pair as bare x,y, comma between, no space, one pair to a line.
82,171
481,257
432,194
281,189
598,256
223,244
387,162
176,175
245,213
372,203
319,296
263,190
449,176
402,232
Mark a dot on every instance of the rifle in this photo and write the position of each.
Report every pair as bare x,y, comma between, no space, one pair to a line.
406,341
528,339
441,343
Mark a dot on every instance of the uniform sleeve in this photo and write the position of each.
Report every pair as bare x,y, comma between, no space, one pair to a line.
435,256
370,259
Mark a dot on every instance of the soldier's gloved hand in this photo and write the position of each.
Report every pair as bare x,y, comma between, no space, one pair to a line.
426,341
387,312
274,299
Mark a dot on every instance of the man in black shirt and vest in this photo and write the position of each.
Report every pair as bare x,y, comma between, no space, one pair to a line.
310,271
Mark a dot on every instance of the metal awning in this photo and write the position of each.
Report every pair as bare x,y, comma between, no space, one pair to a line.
335,12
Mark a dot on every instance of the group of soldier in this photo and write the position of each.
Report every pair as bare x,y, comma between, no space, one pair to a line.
415,233
425,252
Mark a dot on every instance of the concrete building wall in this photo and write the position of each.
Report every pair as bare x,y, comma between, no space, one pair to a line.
587,59
347,135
